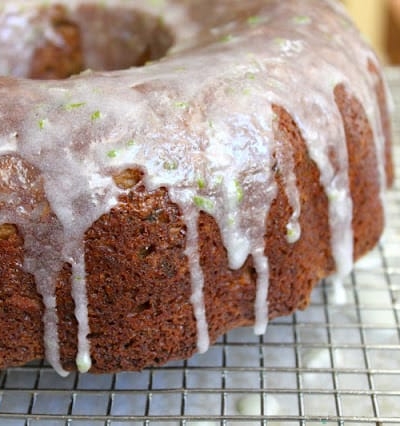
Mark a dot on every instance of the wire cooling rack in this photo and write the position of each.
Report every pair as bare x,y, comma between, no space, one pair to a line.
331,364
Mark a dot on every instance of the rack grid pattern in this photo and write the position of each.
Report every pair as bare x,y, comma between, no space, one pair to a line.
333,364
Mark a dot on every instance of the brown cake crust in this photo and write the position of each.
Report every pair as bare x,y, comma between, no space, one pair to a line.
137,40
64,58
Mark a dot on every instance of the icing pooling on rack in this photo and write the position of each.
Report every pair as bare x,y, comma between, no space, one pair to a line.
200,123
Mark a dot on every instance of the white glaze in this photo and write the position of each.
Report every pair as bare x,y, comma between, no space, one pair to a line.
207,111
190,216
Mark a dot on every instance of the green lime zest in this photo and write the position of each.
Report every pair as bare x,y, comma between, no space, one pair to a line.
170,165
302,19
181,104
253,20
201,183
42,123
70,107
239,191
95,115
112,153
290,232
226,38
203,203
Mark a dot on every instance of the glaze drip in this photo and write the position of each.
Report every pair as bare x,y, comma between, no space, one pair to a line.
83,360
190,216
201,124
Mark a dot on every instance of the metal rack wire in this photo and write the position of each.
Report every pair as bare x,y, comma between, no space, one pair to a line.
331,364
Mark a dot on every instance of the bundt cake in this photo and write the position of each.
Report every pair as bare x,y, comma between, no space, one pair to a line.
170,170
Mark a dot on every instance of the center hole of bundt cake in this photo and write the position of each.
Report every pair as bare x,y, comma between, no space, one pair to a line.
97,37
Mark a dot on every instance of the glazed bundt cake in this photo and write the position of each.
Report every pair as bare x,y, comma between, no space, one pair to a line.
205,165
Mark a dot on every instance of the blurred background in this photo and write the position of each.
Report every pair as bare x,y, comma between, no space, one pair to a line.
379,20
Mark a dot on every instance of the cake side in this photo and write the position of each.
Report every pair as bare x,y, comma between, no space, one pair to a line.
155,208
